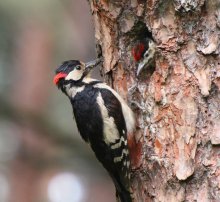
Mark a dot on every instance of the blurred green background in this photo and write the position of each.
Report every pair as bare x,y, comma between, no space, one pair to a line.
42,157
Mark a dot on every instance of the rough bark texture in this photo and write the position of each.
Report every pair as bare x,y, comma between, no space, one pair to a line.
177,103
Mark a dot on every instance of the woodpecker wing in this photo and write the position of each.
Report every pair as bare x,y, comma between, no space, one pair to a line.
119,149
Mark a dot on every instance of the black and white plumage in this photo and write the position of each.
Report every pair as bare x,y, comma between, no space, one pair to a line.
103,119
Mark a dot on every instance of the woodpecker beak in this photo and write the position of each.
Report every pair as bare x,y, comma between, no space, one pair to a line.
90,65
59,76
140,67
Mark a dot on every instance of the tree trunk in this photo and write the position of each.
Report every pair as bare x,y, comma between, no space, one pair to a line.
177,102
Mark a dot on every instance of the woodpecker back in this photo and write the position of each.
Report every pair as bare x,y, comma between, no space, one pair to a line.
103,119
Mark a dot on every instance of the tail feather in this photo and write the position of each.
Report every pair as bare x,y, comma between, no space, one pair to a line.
122,193
123,196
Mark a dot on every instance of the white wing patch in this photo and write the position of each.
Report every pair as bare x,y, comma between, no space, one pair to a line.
123,155
118,145
127,112
111,134
74,75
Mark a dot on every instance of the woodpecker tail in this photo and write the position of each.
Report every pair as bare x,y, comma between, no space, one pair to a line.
123,196
122,192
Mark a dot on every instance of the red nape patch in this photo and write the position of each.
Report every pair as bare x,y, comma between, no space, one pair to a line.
58,77
138,51
135,149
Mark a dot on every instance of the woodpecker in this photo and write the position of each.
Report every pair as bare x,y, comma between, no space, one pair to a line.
143,52
103,119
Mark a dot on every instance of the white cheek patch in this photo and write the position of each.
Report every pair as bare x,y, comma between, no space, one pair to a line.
72,91
74,75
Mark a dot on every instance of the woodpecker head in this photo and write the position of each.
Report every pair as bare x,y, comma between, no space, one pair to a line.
143,53
73,71
138,50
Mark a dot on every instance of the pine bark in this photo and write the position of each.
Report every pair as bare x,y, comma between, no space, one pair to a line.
177,102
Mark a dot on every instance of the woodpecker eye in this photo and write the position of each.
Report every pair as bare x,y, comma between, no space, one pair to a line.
78,67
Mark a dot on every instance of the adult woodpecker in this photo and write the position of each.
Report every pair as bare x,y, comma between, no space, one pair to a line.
143,52
103,119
